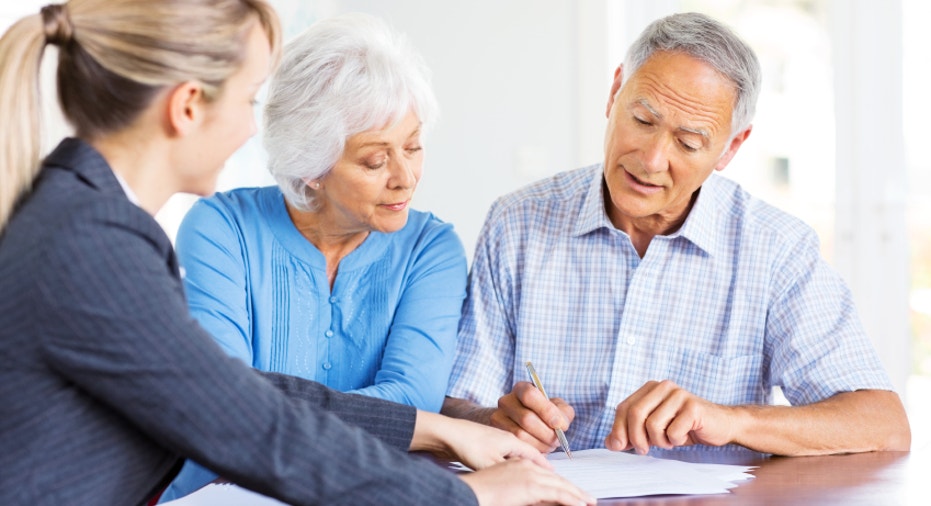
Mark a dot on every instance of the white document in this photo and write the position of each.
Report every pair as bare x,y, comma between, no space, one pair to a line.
225,494
603,474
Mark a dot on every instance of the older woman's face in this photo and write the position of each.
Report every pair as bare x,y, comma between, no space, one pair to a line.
371,186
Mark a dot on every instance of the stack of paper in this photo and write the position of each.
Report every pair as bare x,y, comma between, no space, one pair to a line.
603,474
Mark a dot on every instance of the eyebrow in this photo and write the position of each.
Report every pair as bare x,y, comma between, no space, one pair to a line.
384,143
373,143
697,131
646,105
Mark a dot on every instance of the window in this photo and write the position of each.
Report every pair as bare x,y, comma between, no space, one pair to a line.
917,110
789,159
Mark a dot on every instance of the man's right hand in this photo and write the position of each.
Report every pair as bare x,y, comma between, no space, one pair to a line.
526,413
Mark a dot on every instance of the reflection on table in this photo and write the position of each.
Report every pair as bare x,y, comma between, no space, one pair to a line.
875,478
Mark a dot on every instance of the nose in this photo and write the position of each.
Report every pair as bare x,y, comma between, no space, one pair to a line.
402,173
655,154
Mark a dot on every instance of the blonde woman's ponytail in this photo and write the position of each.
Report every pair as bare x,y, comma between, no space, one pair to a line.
114,56
21,51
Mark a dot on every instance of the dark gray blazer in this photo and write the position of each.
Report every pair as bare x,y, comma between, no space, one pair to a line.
106,382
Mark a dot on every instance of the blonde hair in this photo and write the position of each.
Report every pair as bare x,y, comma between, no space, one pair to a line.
114,57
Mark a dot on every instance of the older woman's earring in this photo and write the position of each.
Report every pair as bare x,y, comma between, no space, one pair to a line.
315,185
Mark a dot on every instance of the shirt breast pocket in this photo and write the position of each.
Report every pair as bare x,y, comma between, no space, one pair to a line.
728,380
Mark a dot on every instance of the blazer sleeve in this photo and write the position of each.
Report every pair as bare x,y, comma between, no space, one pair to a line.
117,325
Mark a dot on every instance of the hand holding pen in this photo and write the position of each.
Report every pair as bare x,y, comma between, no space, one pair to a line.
528,414
560,435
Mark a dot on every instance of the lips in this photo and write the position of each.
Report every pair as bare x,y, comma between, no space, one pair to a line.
641,182
640,185
399,206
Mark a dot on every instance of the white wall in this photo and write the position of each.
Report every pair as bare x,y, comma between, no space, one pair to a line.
872,241
505,74
521,86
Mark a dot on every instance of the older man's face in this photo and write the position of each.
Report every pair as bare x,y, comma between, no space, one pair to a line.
668,129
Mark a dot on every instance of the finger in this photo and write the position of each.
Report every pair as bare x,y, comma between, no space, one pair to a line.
539,459
654,396
549,487
544,440
522,482
518,449
618,439
567,411
560,491
533,399
679,431
690,419
658,422
512,407
640,406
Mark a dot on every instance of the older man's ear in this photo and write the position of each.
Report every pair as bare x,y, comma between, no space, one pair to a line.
732,148
616,85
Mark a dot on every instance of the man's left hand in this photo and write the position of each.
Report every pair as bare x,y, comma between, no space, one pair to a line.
665,415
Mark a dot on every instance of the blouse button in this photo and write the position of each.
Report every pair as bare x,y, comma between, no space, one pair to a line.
328,333
327,366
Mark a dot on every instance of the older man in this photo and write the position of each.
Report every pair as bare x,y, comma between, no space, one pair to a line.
660,301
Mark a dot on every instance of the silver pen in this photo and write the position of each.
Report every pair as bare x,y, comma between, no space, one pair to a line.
539,384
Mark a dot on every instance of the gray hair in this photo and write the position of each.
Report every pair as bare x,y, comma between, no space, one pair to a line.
342,76
710,41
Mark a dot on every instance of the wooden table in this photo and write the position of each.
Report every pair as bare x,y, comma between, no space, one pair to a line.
876,478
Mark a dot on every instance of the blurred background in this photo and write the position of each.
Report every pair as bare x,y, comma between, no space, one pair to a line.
522,87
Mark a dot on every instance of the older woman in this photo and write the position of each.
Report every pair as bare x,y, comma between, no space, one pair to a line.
330,275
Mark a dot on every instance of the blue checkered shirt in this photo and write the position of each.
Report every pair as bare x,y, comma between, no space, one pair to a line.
735,302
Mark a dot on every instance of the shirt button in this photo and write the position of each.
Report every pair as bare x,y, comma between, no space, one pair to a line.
328,333
631,340
327,366
332,300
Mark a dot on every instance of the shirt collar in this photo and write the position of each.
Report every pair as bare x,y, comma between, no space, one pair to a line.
592,215
700,227
130,194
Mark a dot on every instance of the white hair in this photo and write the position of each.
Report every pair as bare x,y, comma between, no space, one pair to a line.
342,76
701,37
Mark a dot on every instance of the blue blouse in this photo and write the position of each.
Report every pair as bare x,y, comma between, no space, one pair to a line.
387,329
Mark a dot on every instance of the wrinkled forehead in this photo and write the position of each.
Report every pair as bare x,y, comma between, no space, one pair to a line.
679,87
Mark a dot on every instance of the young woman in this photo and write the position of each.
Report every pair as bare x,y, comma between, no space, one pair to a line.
105,379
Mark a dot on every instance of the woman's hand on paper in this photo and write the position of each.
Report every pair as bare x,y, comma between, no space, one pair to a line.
475,445
519,482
